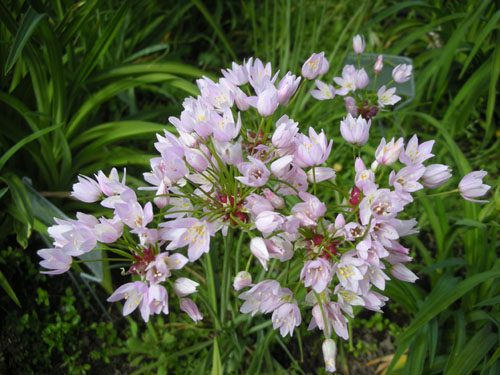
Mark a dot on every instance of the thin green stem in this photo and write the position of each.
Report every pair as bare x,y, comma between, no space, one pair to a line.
212,295
437,194
226,274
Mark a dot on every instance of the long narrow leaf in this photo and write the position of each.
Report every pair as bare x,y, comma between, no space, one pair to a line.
29,23
23,142
439,300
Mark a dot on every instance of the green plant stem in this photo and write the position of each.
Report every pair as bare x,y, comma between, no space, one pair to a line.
437,194
226,274
212,295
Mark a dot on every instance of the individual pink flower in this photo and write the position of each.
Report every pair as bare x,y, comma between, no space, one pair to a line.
286,318
407,178
225,129
436,175
387,97
260,75
257,204
401,272
86,190
54,260
266,101
108,231
320,174
387,154
416,154
238,75
315,65
268,221
402,73
334,319
358,44
355,131
287,88
471,186
255,172
313,150
133,294
259,249
159,269
155,301
361,79
264,297
312,207
324,91
275,200
379,64
329,349
132,213
316,274
347,82
283,137
184,286
350,106
189,307
191,232
242,280
348,273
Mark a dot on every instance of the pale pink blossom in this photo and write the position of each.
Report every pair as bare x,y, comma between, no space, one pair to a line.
387,97
242,280
471,186
402,73
315,65
329,349
324,91
436,175
189,307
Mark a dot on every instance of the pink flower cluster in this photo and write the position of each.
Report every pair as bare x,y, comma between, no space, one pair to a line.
235,165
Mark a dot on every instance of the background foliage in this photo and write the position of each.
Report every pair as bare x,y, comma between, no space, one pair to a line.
86,85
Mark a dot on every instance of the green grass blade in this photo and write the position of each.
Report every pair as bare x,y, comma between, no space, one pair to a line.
442,296
11,151
8,289
215,26
473,353
101,46
492,94
67,32
479,39
29,23
216,362
107,93
416,355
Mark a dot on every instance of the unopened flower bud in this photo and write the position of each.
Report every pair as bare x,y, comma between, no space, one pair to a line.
184,286
402,73
329,354
276,201
379,65
242,280
435,175
358,44
350,106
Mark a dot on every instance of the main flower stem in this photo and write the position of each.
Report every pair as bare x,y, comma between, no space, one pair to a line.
228,246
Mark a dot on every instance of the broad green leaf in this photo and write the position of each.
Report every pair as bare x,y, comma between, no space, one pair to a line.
216,362
459,337
8,289
29,23
473,352
442,297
